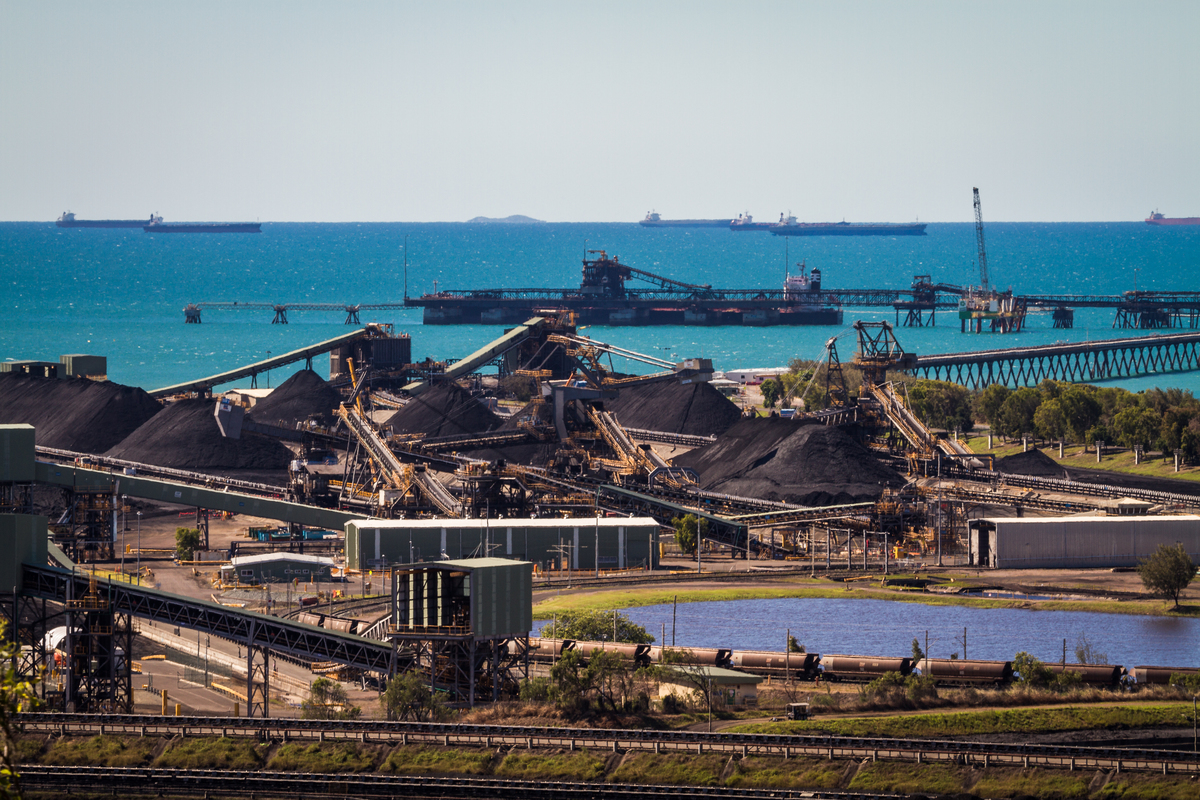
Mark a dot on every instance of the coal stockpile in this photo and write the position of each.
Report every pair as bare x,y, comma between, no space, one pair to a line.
1032,462
444,410
303,396
75,414
531,453
790,461
696,409
185,435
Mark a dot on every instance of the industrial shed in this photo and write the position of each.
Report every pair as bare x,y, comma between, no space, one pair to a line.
1083,541
624,542
277,568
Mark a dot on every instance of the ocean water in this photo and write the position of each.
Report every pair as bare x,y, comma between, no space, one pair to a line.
121,293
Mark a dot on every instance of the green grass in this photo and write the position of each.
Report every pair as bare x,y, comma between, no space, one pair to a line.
212,753
419,760
965,723
889,776
577,766
632,598
341,757
1128,786
1078,457
671,769
1033,783
100,751
756,772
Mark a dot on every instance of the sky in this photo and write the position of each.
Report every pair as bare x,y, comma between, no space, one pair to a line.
587,111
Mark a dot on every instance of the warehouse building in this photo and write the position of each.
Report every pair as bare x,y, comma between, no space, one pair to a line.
277,568
1083,541
551,544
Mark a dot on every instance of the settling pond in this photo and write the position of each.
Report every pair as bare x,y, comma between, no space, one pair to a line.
886,628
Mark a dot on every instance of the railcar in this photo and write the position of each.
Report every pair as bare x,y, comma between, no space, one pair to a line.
801,666
1161,675
964,671
1092,674
708,656
862,668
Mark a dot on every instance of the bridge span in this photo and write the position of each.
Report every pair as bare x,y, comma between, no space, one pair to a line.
1076,362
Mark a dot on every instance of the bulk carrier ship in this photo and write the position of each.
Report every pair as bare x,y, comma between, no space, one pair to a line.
67,220
654,220
1156,218
844,228
603,299
203,227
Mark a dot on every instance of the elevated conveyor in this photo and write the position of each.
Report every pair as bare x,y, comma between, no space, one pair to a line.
295,639
250,370
187,494
483,355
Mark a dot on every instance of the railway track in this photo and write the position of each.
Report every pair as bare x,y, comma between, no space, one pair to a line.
132,781
986,754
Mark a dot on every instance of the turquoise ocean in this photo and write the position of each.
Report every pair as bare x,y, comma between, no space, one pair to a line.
121,292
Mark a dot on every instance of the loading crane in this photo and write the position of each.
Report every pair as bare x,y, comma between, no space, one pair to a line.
983,271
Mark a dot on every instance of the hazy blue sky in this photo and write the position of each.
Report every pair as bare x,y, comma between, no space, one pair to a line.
599,111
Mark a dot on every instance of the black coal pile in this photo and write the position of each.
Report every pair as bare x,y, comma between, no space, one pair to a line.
531,453
790,461
1031,462
79,415
303,396
696,409
444,410
185,435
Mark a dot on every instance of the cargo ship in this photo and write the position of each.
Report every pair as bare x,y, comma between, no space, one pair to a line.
844,228
745,222
654,220
603,298
203,227
67,220
1156,218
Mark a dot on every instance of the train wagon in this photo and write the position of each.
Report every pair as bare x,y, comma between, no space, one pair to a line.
311,619
961,670
1092,674
637,653
862,668
544,649
343,625
1160,674
708,656
801,666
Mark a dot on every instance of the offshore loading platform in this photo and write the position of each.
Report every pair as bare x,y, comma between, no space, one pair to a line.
603,299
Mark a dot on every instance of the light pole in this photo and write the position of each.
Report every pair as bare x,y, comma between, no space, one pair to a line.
139,555
124,527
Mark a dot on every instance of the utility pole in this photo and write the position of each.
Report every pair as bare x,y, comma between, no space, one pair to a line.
597,542
674,608
139,555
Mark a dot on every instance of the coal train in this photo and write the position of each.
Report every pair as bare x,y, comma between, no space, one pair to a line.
851,668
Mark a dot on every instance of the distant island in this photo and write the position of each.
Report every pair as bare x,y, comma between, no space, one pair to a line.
519,219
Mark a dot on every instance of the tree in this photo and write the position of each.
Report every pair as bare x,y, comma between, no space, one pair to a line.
1167,572
794,646
1086,652
187,542
942,404
596,626
1030,671
16,695
1081,410
1016,415
688,530
918,654
606,677
680,666
1049,421
989,401
327,700
771,390
1134,425
408,697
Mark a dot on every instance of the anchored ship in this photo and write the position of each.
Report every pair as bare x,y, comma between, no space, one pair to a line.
67,220
1156,218
203,227
654,220
745,222
843,228
604,299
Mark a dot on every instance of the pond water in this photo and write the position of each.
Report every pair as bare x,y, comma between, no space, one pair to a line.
885,628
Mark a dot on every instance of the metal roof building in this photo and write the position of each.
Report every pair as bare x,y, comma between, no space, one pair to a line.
1083,541
624,542
278,568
